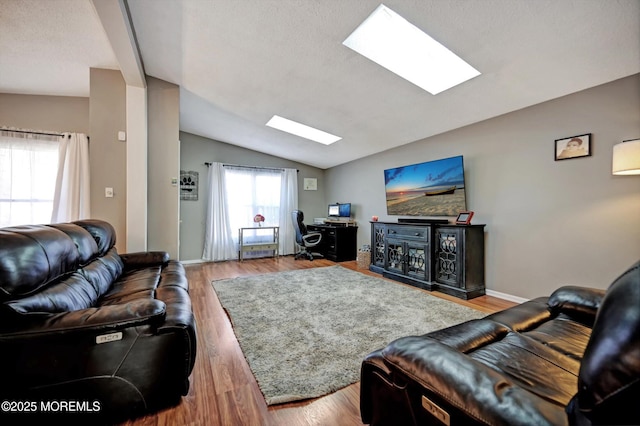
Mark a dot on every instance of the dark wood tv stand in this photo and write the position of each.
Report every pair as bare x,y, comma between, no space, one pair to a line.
434,256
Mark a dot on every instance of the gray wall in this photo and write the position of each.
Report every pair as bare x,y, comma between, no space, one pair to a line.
196,150
163,103
53,113
548,222
100,116
108,155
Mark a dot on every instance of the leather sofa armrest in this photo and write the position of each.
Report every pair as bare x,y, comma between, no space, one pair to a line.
104,318
580,302
144,258
468,386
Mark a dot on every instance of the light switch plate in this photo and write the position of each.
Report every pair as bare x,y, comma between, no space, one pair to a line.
108,192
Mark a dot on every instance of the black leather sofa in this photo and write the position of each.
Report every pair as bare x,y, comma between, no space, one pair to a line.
571,358
87,333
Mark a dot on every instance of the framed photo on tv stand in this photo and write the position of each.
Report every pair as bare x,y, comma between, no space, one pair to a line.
464,218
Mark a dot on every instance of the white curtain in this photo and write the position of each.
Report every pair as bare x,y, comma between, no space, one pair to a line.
71,197
28,167
218,241
288,203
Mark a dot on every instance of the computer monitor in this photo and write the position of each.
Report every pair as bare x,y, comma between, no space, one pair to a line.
339,210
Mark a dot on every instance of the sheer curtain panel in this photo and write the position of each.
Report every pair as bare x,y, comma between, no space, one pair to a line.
72,191
288,203
28,168
218,241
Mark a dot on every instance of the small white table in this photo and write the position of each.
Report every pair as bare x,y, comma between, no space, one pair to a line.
272,244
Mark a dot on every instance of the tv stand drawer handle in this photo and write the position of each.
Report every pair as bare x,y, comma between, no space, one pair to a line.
417,234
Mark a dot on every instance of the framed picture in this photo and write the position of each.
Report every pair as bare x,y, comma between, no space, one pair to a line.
310,184
572,147
464,218
188,185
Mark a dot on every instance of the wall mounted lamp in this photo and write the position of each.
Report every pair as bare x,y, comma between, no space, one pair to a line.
626,158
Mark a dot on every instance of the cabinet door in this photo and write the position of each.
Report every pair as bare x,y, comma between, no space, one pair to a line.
395,256
417,261
448,255
377,244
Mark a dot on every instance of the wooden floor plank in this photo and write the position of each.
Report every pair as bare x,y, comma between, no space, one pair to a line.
223,390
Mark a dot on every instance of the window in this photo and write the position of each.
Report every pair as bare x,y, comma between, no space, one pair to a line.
28,171
236,195
249,192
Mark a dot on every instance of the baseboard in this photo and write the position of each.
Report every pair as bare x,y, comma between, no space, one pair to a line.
187,262
505,296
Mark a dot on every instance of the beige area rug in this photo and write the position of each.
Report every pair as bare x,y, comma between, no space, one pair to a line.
304,333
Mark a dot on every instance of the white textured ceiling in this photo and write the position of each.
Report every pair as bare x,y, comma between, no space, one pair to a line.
238,62
48,46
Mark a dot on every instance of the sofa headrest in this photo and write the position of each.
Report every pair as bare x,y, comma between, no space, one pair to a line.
609,378
32,256
102,232
86,245
71,292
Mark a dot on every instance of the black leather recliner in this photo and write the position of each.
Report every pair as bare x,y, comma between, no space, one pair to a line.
572,358
113,335
305,240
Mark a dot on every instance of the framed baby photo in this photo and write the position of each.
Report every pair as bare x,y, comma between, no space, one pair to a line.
572,147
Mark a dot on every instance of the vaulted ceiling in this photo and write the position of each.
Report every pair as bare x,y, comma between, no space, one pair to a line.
239,62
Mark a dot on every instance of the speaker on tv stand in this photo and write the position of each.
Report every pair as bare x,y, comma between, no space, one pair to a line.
422,221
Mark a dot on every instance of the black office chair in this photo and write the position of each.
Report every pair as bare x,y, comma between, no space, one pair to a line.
304,239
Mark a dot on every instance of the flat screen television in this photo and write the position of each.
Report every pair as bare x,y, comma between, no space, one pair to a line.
339,210
432,188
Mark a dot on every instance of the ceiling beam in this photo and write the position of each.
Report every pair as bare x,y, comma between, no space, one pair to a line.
114,16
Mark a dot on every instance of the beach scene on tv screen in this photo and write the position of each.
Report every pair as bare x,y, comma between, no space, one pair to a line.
433,188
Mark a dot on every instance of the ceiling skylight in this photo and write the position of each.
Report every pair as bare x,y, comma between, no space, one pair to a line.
302,130
394,43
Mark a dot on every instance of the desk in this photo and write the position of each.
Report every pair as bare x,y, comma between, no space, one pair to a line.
338,241
272,244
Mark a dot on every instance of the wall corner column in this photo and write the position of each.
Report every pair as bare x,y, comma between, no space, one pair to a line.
137,184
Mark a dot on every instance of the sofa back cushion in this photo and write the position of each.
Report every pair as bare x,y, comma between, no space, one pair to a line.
71,292
102,232
609,378
69,264
31,257
83,240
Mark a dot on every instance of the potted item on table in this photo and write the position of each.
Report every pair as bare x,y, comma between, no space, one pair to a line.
258,219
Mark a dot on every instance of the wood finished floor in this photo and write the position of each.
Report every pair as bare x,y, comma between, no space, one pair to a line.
224,391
